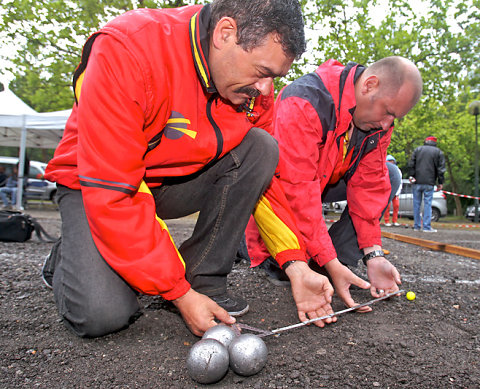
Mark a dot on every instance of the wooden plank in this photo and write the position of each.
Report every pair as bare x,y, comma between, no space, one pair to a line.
437,246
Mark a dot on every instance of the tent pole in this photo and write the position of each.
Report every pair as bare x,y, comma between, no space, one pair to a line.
21,163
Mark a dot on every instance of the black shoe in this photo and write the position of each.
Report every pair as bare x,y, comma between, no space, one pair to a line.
275,274
234,305
49,264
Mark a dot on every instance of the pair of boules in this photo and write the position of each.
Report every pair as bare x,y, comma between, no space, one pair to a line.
219,348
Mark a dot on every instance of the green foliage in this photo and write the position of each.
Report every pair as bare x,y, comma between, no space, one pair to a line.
439,36
49,35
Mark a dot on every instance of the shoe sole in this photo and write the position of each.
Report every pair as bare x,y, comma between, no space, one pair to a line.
239,313
47,284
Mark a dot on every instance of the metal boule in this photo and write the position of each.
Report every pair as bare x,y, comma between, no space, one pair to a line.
248,354
207,361
221,332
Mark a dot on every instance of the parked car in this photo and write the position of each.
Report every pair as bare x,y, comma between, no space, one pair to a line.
439,203
470,212
37,186
335,207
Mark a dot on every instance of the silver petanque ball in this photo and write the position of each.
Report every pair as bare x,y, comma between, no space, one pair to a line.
248,354
221,332
207,361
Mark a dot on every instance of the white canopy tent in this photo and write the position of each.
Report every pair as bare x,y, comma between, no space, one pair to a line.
21,126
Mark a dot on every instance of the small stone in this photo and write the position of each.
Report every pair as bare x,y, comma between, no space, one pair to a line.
295,374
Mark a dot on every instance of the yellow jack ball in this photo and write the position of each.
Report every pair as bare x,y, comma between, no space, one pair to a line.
410,296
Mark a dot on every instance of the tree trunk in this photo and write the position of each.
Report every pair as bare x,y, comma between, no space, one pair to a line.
458,204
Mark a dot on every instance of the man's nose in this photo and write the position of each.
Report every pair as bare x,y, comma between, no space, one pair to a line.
264,85
386,123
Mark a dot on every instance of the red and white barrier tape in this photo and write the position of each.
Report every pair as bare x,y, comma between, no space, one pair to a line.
436,224
461,195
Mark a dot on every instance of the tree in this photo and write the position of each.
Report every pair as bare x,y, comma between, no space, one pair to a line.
439,36
49,35
442,42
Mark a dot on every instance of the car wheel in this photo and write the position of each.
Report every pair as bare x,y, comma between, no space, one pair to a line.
435,215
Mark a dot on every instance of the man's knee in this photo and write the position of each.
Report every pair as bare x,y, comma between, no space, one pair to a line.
91,317
263,150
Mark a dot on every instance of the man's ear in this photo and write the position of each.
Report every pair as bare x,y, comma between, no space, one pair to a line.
370,84
225,32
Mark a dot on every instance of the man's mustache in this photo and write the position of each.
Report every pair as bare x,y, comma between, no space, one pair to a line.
249,91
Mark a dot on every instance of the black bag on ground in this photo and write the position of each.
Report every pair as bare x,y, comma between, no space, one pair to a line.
16,226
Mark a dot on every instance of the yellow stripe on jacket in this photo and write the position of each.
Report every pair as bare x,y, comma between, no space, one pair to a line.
145,189
276,235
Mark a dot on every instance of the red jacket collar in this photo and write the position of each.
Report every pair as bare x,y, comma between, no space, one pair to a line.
199,43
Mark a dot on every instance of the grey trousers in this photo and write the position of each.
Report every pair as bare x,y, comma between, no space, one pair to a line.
94,301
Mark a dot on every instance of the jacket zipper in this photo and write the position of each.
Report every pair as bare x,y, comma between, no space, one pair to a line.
218,133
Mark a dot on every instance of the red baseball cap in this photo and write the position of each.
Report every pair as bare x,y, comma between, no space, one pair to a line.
432,138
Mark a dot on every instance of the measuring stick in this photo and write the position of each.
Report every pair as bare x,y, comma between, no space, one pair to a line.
304,323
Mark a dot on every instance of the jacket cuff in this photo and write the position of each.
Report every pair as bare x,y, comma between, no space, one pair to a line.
290,255
322,259
178,291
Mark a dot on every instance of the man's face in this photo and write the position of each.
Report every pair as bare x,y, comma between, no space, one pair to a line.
376,109
238,74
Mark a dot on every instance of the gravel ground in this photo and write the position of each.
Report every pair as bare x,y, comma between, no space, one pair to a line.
431,342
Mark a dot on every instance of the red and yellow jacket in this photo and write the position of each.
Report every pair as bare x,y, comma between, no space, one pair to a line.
311,118
146,108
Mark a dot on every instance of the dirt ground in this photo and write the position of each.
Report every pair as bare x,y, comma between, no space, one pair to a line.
432,342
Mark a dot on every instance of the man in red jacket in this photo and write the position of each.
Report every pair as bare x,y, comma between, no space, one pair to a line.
333,127
172,116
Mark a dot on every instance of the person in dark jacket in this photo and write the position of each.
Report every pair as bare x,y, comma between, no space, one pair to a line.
426,168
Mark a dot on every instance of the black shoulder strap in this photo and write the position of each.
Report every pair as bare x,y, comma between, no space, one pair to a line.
78,75
343,78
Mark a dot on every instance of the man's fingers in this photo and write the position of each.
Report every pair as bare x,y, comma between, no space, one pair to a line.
357,281
373,292
302,316
350,302
314,315
396,276
365,309
222,315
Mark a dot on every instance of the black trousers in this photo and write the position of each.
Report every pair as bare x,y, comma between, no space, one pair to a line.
342,232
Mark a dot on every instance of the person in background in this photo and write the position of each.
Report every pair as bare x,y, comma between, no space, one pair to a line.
8,193
395,201
3,176
426,168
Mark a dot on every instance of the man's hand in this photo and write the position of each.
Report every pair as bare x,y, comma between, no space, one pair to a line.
343,278
312,293
439,187
199,311
383,276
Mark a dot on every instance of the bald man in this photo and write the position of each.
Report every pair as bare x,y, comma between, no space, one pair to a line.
333,127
